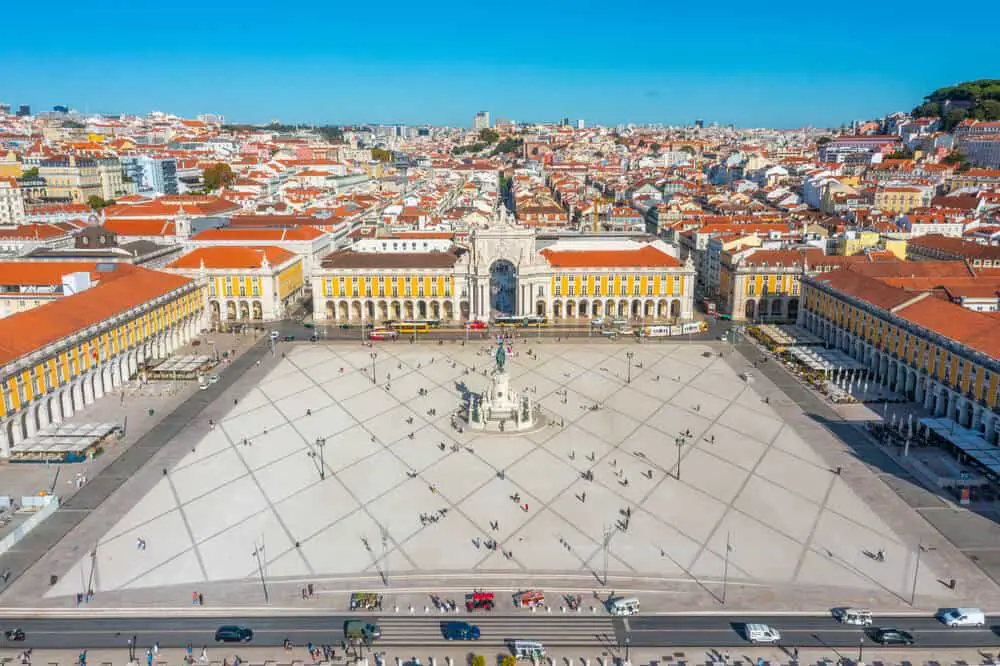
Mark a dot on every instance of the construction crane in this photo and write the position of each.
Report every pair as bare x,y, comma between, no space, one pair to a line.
598,202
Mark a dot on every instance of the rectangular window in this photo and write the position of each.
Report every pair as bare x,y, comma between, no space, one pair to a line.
255,286
752,288
342,286
60,368
571,289
8,400
623,288
36,382
329,287
229,288
243,288
649,288
636,286
211,288
53,379
558,289
434,288
22,392
583,287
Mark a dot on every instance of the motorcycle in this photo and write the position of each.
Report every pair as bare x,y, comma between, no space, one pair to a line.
14,635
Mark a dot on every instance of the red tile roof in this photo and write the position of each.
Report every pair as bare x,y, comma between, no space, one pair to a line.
645,257
25,332
224,257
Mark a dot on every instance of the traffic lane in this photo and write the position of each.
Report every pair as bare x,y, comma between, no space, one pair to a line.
782,622
811,638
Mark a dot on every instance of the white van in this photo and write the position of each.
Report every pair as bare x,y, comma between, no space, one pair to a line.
761,633
962,617
623,606
526,649
856,616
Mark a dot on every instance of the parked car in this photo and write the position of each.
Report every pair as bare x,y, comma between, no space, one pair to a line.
761,633
459,631
364,631
888,636
476,325
231,633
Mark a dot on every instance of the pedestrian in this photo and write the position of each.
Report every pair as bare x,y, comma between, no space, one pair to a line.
156,648
795,655
201,599
194,598
203,657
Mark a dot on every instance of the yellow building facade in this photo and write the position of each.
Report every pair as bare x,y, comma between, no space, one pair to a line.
61,367
948,378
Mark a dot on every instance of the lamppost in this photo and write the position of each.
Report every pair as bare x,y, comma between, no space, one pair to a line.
608,531
725,570
679,442
629,355
628,644
320,444
258,552
916,571
861,647
374,356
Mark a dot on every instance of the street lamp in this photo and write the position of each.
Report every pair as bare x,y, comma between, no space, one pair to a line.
916,571
628,644
374,356
679,442
629,355
861,646
258,552
320,444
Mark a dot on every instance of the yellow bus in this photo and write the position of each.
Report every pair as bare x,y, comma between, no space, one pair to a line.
413,327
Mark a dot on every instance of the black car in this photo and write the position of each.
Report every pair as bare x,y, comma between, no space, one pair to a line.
459,631
233,634
892,637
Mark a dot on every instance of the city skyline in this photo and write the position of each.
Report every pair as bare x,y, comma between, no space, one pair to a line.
759,69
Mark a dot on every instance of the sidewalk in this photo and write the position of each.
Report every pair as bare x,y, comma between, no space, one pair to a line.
461,655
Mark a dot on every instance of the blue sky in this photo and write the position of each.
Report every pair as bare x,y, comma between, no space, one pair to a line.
776,63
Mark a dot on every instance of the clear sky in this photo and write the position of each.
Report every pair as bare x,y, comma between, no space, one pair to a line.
773,63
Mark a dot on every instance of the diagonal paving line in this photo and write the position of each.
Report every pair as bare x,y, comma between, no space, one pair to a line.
807,544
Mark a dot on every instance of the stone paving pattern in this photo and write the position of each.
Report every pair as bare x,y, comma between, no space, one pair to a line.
759,484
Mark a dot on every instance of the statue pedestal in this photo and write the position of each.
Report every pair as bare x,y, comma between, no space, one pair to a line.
501,408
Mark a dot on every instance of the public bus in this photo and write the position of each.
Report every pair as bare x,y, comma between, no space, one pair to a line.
535,320
509,322
412,327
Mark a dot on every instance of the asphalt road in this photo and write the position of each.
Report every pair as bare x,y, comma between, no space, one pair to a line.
601,632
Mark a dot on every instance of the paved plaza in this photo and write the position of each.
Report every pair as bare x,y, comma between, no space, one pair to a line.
405,492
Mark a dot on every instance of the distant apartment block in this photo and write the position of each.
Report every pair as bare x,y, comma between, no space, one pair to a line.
151,175
481,121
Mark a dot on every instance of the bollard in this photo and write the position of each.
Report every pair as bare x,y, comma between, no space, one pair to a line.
579,609
430,660
593,610
411,609
451,662
548,609
395,608
399,661
532,610
563,608
426,609
441,609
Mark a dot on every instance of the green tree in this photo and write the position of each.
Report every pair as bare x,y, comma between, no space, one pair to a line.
687,149
655,147
97,203
901,154
960,161
489,136
953,118
217,176
478,660
331,133
823,140
30,173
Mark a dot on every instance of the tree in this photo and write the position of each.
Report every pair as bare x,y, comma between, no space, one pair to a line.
823,140
508,660
381,155
97,203
953,118
331,133
489,136
30,173
687,149
901,154
478,660
655,147
217,176
957,159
